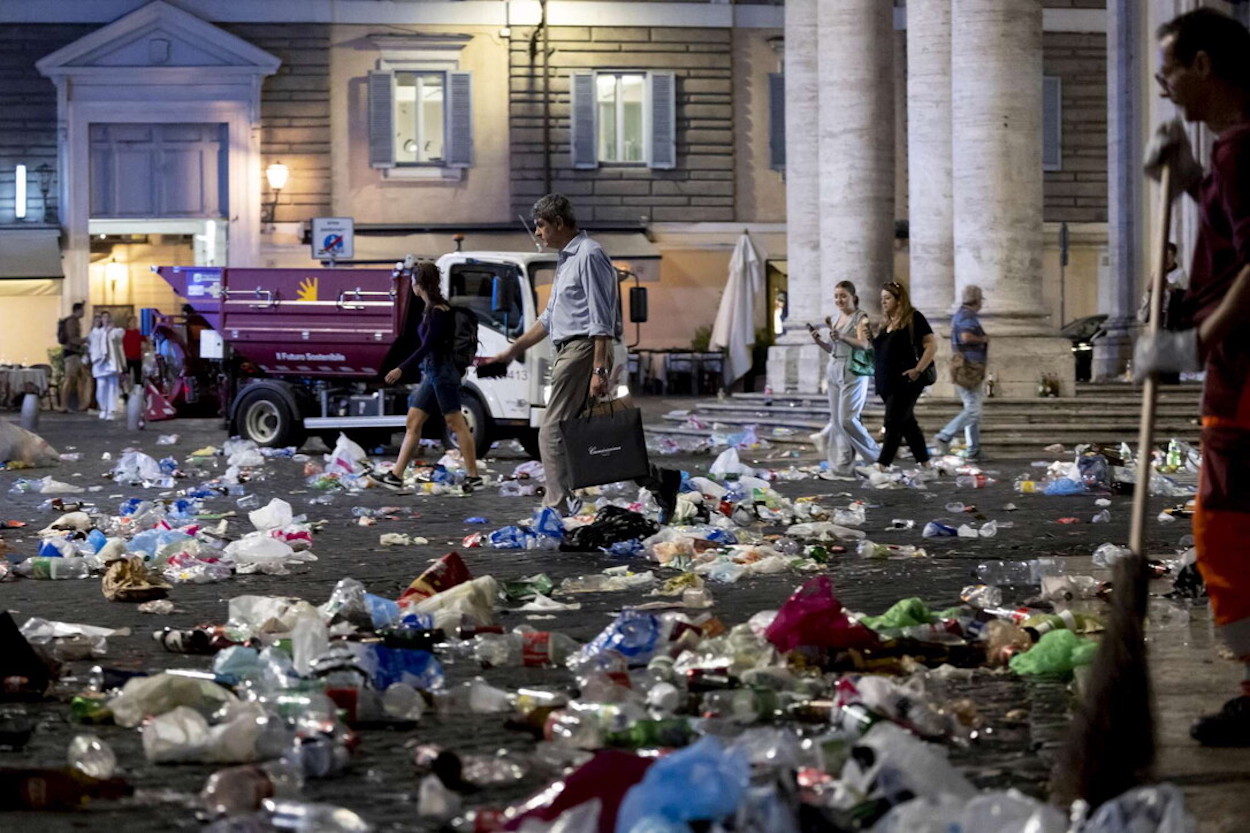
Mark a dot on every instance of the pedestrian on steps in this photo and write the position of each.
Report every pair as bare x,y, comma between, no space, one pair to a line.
969,356
439,391
847,372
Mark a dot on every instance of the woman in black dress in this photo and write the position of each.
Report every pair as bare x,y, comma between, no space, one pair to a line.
904,348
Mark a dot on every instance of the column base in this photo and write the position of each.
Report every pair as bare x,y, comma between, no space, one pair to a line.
1017,363
1112,354
795,368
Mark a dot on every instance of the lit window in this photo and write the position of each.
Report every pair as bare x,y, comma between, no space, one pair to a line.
419,117
619,99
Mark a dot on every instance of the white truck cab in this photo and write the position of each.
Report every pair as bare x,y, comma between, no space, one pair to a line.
508,290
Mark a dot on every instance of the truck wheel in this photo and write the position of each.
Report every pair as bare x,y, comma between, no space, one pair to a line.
479,425
529,441
265,417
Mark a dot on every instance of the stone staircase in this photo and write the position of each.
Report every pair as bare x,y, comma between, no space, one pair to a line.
1106,413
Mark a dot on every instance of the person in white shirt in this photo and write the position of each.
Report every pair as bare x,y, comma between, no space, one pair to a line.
108,363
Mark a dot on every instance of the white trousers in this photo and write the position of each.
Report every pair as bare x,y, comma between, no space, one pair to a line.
846,433
107,388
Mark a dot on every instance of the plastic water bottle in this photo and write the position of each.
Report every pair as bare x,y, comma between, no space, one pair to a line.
53,568
1018,572
306,817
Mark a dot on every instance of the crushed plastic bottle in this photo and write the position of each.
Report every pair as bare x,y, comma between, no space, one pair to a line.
937,529
526,647
974,481
92,756
1107,554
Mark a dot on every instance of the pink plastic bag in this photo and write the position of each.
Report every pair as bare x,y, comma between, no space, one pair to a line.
814,617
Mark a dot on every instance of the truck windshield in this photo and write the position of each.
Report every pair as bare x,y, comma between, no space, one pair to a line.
492,291
542,276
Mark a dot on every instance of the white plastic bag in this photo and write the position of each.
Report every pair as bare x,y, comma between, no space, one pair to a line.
346,458
136,467
1156,809
275,515
728,463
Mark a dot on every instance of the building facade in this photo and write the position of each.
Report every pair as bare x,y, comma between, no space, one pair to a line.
673,126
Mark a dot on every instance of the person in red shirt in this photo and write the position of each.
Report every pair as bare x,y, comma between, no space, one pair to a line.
132,347
1205,71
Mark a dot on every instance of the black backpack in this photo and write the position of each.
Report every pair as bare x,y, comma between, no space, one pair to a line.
62,331
464,342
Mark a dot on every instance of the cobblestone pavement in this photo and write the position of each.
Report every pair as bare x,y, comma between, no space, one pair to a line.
380,783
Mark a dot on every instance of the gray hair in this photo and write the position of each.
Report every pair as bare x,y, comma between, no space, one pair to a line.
971,294
555,207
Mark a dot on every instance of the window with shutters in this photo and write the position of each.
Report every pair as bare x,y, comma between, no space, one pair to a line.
618,104
419,117
1052,123
777,121
623,118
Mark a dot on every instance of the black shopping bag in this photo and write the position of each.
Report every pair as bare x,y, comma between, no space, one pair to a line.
605,447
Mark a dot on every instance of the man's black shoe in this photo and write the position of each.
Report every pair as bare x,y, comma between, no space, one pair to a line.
666,497
1230,726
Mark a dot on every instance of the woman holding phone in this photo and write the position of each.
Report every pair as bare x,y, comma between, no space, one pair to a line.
847,375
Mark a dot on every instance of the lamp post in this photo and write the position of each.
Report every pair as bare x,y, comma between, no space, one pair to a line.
277,174
44,172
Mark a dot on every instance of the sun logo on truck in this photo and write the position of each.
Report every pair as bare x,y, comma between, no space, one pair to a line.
307,290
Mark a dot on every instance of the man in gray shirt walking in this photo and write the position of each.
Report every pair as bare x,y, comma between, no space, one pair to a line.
583,318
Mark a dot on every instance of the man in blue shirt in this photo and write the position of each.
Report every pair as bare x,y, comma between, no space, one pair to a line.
583,318
970,346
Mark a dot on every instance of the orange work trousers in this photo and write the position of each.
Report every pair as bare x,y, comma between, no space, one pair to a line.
1222,529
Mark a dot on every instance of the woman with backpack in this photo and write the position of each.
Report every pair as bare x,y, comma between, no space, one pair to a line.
439,391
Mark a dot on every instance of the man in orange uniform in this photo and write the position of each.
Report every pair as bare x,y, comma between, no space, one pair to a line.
1204,69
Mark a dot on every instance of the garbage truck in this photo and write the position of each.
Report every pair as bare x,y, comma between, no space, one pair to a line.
289,353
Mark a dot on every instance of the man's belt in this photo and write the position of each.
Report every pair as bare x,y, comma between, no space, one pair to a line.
560,345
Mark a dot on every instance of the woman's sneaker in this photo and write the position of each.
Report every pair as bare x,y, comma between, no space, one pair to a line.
472,484
387,479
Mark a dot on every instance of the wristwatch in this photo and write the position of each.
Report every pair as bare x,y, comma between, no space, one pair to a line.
601,371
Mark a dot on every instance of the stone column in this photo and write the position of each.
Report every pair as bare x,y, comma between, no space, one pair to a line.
931,211
795,362
996,72
856,69
1118,284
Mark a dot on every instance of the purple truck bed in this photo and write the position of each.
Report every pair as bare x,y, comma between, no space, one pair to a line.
298,322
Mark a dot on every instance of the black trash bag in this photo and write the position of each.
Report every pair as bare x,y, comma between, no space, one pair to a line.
23,673
611,525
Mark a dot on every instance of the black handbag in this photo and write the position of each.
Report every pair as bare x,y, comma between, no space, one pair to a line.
929,375
605,447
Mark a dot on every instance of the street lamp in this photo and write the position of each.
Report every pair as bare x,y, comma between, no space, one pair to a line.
44,172
277,174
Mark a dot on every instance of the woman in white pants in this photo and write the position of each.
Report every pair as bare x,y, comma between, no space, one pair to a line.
108,362
845,435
